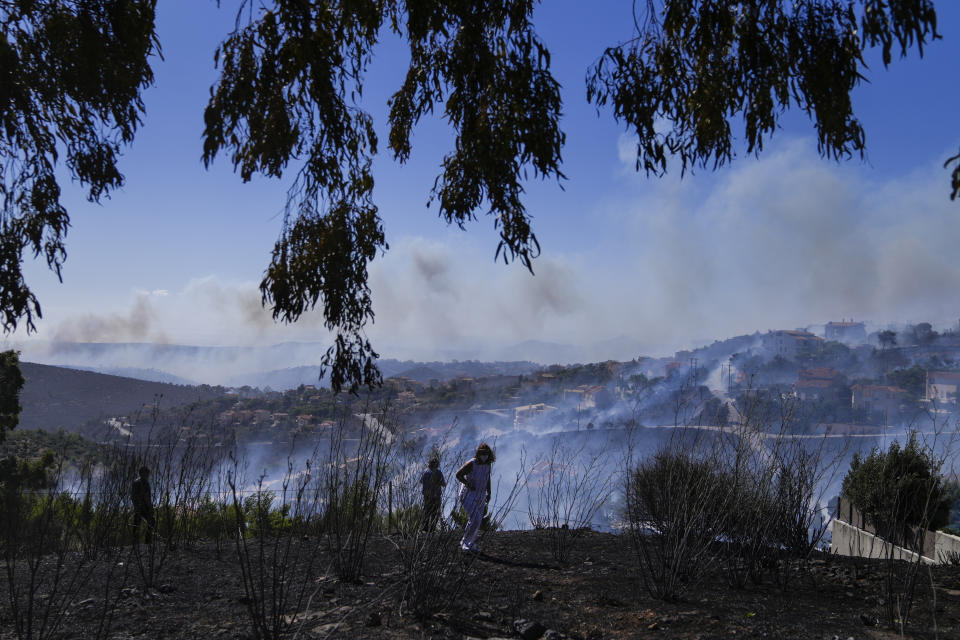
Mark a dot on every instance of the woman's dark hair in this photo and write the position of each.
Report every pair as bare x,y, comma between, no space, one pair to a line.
485,448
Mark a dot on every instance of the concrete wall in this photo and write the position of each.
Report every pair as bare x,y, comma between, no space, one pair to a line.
848,540
947,548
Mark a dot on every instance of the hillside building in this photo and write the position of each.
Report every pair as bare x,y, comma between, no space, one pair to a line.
791,343
821,384
873,398
941,387
584,395
848,332
525,414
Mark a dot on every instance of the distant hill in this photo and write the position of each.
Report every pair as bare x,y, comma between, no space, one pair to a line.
281,366
620,349
56,398
151,375
177,363
422,373
278,379
293,377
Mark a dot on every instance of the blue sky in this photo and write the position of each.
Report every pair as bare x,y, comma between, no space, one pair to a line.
782,241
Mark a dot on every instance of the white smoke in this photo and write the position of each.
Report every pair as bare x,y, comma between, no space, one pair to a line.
785,241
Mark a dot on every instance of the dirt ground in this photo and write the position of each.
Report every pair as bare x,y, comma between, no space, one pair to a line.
514,588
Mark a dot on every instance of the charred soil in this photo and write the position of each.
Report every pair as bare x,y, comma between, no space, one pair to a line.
515,588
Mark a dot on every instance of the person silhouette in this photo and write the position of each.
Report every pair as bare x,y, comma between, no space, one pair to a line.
474,475
142,498
433,483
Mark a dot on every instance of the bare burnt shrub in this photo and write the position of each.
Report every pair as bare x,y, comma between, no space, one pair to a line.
746,494
433,568
404,505
676,507
748,535
214,517
353,480
427,544
100,518
805,469
276,545
567,489
48,533
748,532
181,465
777,479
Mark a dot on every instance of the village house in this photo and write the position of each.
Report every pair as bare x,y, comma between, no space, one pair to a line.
584,395
494,383
524,414
873,398
402,383
406,398
791,343
234,417
464,383
304,420
538,381
848,332
941,387
672,367
821,384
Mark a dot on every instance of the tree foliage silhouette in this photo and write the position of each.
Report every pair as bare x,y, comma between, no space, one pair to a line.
289,100
11,382
71,74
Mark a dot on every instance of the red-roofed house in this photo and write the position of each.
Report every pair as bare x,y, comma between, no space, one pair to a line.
820,383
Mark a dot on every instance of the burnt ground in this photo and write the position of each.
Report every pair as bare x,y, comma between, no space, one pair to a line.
596,595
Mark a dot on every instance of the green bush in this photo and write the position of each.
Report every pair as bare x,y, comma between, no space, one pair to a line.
899,490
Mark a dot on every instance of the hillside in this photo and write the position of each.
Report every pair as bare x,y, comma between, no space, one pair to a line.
56,398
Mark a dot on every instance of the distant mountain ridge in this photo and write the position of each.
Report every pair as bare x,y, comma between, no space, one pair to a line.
290,364
137,373
293,377
55,398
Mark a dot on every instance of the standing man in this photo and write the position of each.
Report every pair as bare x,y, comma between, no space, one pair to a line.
433,483
142,498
